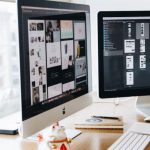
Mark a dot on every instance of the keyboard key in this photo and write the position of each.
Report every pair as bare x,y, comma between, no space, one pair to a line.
135,141
129,142
113,147
140,142
145,143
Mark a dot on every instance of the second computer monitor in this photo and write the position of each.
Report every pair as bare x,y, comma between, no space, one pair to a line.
124,53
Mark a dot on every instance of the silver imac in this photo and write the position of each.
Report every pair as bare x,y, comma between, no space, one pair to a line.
55,61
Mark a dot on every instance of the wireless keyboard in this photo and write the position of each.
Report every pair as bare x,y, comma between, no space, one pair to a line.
133,140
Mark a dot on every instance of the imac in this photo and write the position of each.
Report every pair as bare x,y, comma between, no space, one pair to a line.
124,56
55,63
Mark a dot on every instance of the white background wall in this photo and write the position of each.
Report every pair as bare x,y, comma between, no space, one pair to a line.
100,5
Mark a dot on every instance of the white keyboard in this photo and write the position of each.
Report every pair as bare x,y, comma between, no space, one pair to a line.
133,139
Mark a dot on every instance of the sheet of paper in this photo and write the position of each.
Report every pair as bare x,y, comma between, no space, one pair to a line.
67,53
142,61
53,54
37,57
129,46
129,78
66,29
141,127
54,90
129,62
79,30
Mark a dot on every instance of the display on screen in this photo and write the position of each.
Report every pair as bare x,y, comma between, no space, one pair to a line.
57,58
126,47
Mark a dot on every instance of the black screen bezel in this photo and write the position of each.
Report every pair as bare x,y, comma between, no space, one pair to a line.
28,113
116,93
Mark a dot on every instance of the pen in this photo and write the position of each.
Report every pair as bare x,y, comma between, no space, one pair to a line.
106,117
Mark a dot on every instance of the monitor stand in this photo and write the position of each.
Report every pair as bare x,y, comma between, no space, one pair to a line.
116,101
143,105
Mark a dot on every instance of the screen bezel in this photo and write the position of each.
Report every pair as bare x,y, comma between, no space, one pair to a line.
43,4
117,93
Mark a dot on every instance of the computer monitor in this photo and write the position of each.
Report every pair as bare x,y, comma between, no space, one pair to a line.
124,55
55,62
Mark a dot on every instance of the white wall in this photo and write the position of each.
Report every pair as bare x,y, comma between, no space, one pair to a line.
100,5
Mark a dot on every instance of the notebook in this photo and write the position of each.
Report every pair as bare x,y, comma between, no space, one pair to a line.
100,123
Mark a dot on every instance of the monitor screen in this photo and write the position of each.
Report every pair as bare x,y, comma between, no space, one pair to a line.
124,55
53,52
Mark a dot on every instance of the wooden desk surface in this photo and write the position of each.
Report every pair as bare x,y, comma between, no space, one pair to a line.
90,139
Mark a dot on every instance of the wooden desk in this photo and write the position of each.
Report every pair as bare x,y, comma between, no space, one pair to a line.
90,139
